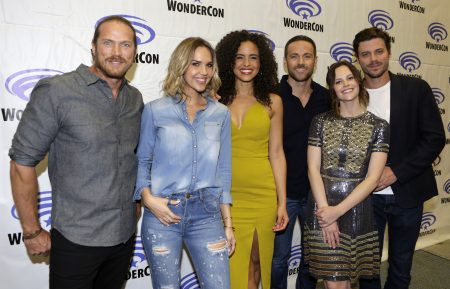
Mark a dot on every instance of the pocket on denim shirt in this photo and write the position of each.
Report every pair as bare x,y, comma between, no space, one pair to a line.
211,199
212,130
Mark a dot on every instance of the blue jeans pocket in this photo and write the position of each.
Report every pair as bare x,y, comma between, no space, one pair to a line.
211,200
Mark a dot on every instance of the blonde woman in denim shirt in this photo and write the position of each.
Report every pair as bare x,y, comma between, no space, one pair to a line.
184,172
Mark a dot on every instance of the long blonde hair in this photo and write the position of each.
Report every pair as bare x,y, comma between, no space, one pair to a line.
179,62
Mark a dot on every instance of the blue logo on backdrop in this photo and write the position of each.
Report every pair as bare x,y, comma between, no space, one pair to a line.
22,83
144,33
437,31
189,281
296,254
438,95
448,127
138,254
44,209
409,61
428,219
380,19
342,51
304,8
447,186
270,41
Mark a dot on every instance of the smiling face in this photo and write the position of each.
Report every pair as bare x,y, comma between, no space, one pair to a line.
247,62
300,60
373,57
114,50
199,72
345,85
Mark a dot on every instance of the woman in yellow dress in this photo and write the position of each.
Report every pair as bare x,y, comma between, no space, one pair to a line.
248,72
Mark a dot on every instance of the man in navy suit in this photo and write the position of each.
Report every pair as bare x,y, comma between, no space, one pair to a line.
417,138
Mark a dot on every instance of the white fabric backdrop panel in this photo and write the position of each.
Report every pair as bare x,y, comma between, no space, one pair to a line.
47,37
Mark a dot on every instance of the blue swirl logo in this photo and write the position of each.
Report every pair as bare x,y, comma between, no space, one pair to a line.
447,186
409,61
428,219
381,19
189,281
44,202
22,82
438,95
304,8
342,51
144,33
437,31
296,254
448,127
270,41
138,254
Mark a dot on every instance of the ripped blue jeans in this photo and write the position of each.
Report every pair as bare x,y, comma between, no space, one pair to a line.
202,232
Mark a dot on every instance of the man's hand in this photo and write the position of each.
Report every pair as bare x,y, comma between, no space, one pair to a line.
387,178
39,245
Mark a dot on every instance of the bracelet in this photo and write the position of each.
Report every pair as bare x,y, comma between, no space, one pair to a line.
32,235
231,227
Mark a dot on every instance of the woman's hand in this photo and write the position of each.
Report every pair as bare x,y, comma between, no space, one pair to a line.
327,215
331,235
282,219
158,207
231,241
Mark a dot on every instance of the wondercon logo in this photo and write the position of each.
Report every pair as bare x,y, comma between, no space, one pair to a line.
381,19
409,61
144,33
189,281
22,83
438,95
296,254
447,186
270,41
342,51
428,219
437,31
44,209
304,8
138,253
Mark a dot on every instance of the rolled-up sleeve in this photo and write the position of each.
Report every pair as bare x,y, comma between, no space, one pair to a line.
145,151
37,128
224,164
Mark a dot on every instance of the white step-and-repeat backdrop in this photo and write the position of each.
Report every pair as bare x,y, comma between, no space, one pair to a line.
41,38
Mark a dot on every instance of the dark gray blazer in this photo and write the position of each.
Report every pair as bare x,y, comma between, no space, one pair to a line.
417,138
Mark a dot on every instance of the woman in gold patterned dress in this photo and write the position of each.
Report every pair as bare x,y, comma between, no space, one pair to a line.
248,72
346,155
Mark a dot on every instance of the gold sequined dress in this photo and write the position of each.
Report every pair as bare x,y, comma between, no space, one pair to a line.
346,146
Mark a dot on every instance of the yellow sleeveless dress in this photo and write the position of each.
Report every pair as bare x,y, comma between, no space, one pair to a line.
254,195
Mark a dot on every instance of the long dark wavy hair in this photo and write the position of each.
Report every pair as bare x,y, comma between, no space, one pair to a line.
264,83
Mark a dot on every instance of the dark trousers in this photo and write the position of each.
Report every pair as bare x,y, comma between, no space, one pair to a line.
74,266
403,232
282,251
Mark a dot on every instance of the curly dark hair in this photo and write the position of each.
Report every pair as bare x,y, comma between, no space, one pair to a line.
265,82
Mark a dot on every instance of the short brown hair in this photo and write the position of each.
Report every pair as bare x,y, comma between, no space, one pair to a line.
369,34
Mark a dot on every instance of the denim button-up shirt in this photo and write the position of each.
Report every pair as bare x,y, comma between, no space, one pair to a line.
91,140
175,156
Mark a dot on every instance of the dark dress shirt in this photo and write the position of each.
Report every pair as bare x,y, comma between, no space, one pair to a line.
295,134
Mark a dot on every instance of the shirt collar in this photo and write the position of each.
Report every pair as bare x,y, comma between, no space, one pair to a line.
91,78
